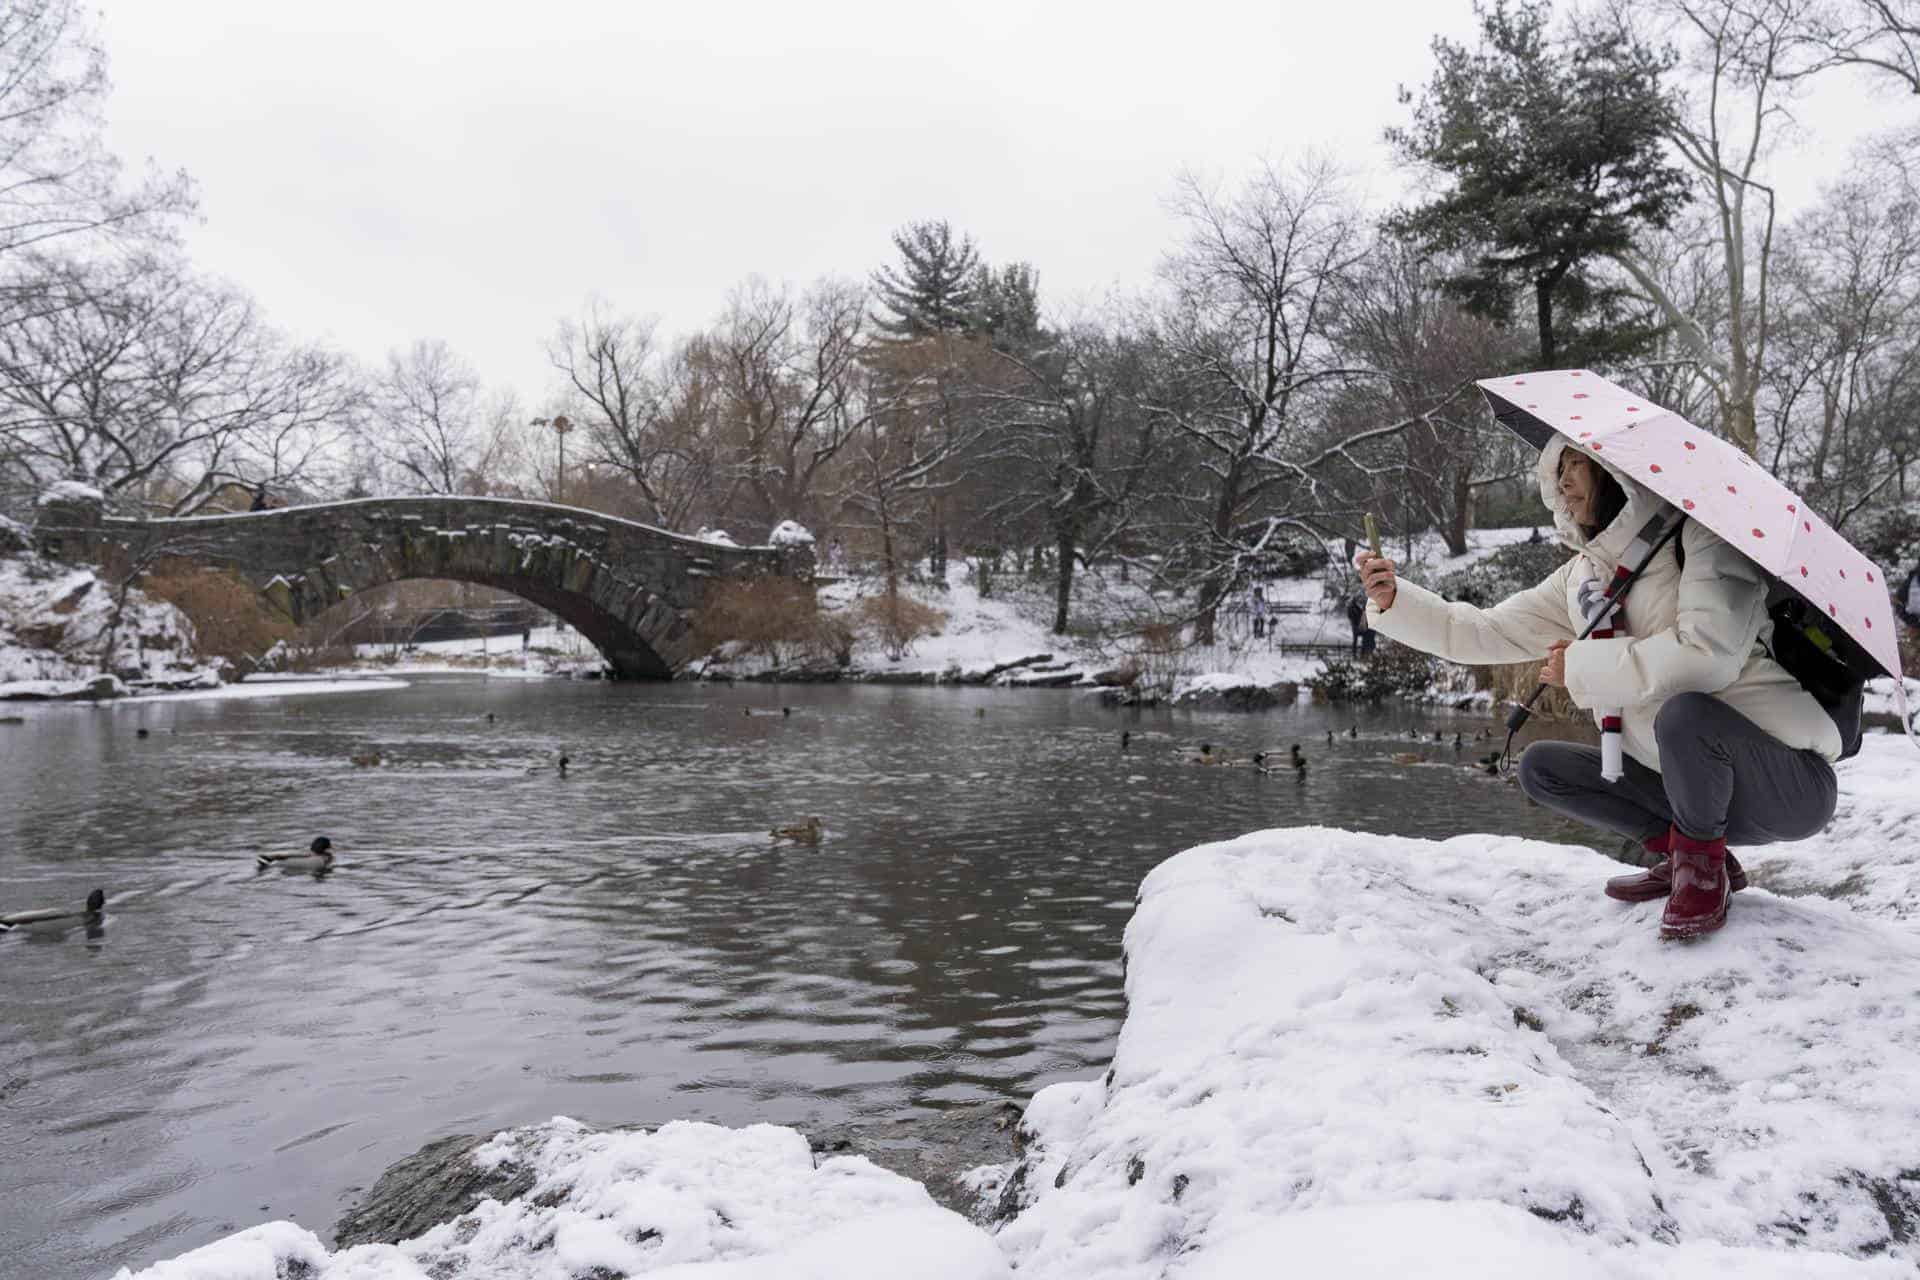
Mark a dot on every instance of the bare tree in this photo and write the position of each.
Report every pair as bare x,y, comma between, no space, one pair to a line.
791,387
1082,446
1246,324
432,424
651,415
1880,36
1847,368
162,390
57,179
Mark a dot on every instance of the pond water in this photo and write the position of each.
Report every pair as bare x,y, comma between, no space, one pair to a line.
498,945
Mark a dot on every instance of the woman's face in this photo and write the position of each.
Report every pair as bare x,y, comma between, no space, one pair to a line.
1577,487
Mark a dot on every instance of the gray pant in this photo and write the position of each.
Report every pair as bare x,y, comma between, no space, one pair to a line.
1721,775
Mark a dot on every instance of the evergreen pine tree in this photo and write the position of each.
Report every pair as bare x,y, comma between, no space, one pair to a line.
1554,157
934,287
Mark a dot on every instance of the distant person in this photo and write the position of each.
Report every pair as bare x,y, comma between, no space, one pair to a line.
1258,607
836,555
526,639
1357,619
259,499
1533,535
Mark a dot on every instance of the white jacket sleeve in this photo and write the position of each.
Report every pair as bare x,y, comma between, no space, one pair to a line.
1521,627
1722,606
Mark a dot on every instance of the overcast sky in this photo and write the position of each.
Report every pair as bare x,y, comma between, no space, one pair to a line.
379,172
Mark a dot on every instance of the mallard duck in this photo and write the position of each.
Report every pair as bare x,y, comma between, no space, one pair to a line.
807,832
1490,764
1126,736
1205,756
367,761
318,857
1439,735
55,919
1456,742
786,711
1298,761
489,717
1408,757
565,760
1329,737
1353,731
980,711
140,733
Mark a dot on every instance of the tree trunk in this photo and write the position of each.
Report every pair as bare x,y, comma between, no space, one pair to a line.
1461,514
1062,582
1543,313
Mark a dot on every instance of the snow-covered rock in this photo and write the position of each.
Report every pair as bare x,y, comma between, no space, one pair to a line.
719,537
689,1201
1369,1055
789,534
55,621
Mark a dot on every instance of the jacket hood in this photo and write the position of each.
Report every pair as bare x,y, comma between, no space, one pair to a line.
1611,542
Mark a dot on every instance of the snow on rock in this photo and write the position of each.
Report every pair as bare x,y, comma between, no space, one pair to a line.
789,534
54,624
1405,1056
719,537
689,1201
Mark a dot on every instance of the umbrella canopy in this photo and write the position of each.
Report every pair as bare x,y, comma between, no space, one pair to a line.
1714,483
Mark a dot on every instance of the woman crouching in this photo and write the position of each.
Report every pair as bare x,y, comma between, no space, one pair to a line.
1721,744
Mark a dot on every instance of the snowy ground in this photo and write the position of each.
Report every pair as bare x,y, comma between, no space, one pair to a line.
1350,1056
550,650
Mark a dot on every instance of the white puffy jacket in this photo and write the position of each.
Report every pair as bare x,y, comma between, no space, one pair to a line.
1704,628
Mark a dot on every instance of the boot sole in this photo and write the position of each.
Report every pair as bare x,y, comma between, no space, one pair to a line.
1695,928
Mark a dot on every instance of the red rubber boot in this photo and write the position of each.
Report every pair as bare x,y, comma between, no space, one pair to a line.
1698,904
1657,881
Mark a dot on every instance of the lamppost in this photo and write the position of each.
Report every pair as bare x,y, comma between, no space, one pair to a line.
560,426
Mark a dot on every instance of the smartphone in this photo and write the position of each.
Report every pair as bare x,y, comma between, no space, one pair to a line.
1373,533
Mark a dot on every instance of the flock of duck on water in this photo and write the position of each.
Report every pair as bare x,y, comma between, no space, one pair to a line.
1296,760
319,856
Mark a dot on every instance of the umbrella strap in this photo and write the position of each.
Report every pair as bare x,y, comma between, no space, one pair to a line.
1654,534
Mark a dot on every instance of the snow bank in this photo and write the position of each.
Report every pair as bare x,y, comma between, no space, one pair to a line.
688,1201
1390,1056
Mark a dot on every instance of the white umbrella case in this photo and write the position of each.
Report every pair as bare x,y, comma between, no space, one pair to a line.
1718,485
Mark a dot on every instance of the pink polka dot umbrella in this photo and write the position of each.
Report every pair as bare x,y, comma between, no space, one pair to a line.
1716,484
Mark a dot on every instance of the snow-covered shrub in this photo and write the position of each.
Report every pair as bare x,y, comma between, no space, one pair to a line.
1510,569
719,537
896,620
1394,670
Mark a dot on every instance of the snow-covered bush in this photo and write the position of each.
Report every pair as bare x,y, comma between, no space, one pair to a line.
1393,671
719,537
1510,569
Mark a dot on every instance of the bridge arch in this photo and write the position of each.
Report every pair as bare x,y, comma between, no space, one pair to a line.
628,587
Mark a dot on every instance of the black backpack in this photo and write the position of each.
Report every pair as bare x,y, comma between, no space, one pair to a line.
1828,663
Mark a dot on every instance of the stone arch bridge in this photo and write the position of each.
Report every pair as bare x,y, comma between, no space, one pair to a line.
627,587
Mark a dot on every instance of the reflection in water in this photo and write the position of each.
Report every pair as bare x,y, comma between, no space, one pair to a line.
497,944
